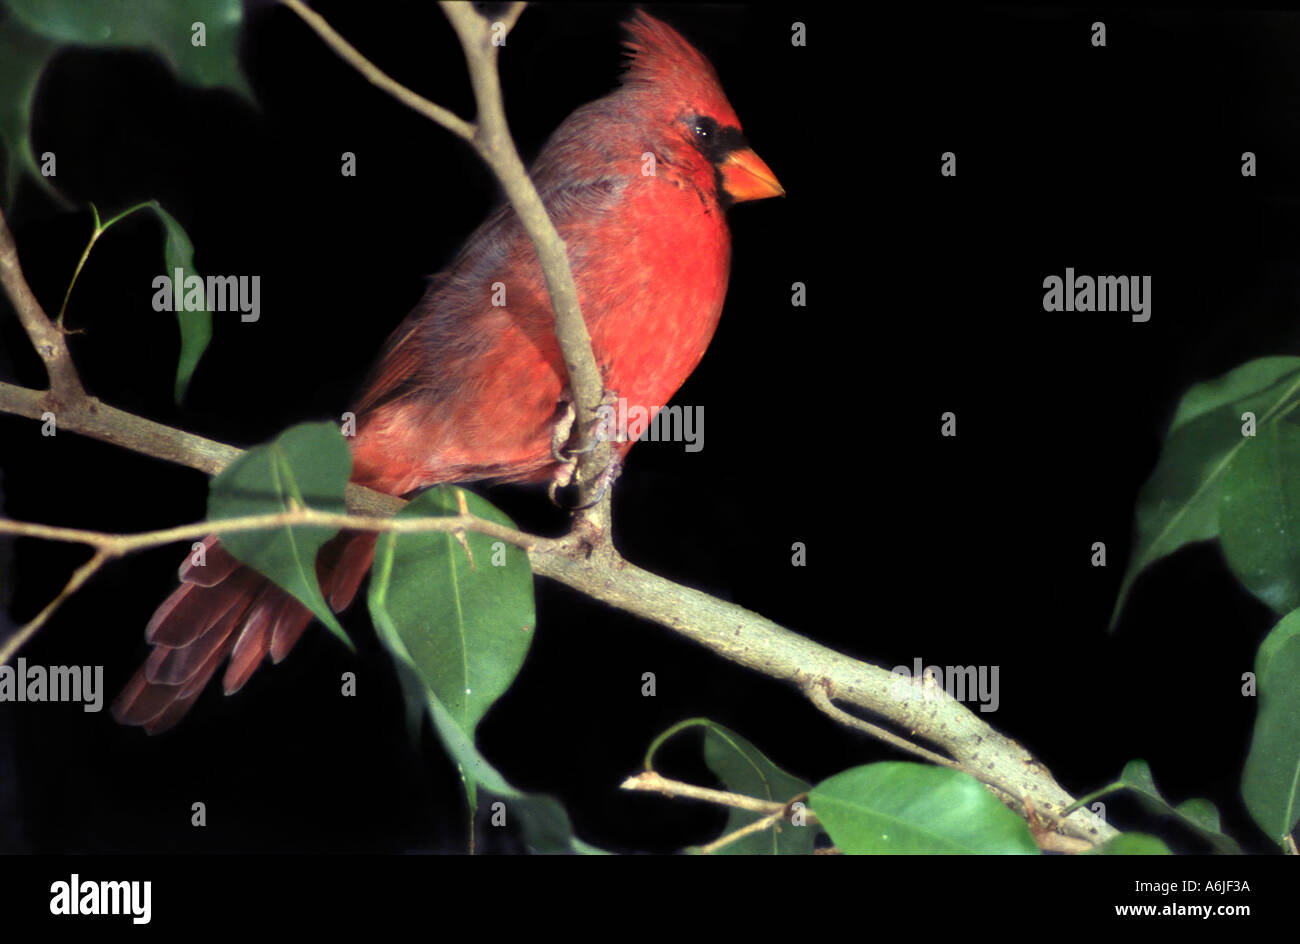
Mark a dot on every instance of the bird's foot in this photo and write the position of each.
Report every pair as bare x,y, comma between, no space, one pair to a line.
566,457
604,480
560,434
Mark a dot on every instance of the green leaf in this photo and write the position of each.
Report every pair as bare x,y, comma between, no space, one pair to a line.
466,628
32,31
196,326
1270,783
545,824
1199,815
460,630
1259,516
1240,383
744,769
307,465
1179,503
1279,639
23,56
415,697
1132,844
163,26
900,807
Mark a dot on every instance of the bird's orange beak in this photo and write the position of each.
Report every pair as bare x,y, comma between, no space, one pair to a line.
746,177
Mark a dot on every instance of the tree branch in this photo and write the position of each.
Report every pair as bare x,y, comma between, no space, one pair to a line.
731,631
48,340
89,417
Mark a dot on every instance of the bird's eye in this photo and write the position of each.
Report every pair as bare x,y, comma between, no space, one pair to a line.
704,128
711,139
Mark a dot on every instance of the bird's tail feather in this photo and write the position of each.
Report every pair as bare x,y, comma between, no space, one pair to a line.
224,608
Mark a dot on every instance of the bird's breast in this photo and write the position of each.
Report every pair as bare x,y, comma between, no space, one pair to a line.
651,270
653,295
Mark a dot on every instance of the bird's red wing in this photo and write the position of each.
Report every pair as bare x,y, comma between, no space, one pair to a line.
427,350
394,373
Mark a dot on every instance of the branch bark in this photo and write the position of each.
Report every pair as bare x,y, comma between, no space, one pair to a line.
648,781
49,341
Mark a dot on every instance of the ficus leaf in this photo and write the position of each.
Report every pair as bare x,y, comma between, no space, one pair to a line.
1179,503
1270,782
464,619
900,807
306,465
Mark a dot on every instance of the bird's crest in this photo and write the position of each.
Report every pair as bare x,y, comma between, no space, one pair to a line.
660,58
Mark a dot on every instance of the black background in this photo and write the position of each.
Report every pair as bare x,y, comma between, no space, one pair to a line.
925,295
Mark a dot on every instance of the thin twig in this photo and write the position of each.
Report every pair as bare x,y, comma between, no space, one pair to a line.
377,77
818,694
79,577
117,545
109,546
757,826
650,782
1056,842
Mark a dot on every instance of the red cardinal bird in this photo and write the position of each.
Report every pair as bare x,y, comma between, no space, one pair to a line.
467,390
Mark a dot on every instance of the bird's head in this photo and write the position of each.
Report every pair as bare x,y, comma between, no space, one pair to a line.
689,101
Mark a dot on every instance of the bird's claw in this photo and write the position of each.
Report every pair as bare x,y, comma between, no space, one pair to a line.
605,429
560,434
604,480
567,457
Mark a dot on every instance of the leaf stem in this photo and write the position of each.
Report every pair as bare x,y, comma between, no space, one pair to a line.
659,741
98,231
